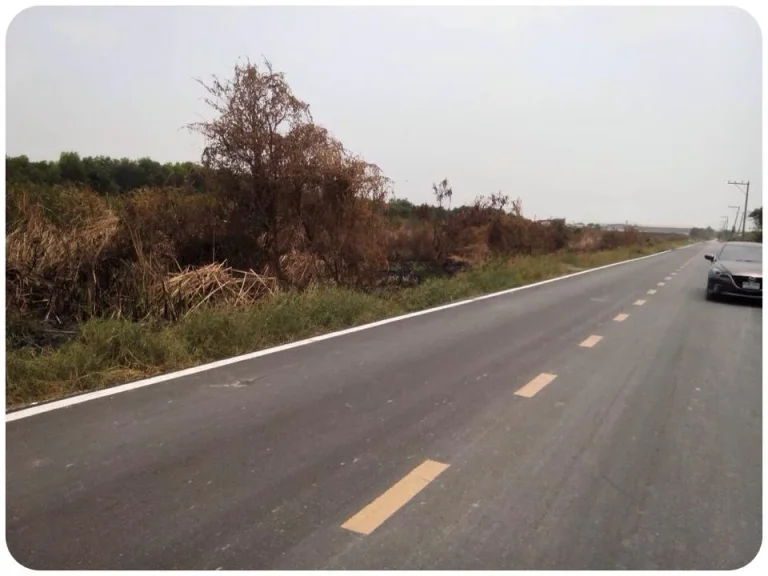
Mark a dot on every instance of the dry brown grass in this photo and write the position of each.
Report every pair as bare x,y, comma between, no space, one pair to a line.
162,253
53,268
214,284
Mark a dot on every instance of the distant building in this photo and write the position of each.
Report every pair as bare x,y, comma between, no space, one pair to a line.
664,230
551,221
649,229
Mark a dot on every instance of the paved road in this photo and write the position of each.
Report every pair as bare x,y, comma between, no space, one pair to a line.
441,441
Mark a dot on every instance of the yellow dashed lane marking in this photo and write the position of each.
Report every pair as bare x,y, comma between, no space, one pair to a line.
534,386
621,317
651,291
378,511
591,341
639,302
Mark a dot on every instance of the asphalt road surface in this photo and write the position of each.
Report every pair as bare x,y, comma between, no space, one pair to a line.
582,424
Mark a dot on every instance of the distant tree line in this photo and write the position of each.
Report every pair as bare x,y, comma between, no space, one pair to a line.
707,233
108,176
112,176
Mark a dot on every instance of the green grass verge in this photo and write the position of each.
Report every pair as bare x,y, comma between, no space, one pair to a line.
107,352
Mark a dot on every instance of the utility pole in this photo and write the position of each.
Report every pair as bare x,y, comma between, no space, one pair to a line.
735,221
746,203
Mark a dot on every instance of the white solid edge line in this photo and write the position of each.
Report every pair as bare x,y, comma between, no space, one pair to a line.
120,388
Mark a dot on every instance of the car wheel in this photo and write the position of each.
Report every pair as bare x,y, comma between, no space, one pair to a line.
710,294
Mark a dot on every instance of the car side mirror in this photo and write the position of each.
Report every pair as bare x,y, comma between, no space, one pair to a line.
710,257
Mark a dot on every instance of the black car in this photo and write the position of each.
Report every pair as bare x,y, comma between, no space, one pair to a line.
737,270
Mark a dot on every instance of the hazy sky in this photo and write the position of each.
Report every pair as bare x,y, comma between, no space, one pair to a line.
593,114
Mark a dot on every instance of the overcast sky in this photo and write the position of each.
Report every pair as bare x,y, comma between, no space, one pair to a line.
593,114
